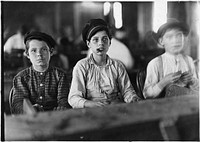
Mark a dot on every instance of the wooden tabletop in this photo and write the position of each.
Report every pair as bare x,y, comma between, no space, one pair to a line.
135,121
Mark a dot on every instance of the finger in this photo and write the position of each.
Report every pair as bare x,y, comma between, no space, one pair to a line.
178,73
62,108
100,104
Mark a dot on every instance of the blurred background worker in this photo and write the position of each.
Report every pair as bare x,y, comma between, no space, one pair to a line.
16,41
14,49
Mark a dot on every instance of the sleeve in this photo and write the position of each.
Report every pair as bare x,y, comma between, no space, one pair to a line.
151,87
63,90
20,91
126,88
77,92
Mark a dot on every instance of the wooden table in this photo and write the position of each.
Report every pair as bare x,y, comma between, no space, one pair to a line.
175,118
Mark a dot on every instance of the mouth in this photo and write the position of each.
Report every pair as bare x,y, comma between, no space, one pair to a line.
100,50
39,60
178,45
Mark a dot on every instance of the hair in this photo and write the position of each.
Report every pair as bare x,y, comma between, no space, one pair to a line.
92,27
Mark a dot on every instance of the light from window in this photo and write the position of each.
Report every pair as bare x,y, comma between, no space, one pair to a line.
106,8
159,13
117,14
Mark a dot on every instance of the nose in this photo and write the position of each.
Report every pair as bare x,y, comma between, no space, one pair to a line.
39,52
100,41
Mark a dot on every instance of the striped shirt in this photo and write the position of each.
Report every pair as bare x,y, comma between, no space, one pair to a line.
48,89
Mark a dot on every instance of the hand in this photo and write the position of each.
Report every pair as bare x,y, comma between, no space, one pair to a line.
95,103
170,78
59,108
38,107
186,77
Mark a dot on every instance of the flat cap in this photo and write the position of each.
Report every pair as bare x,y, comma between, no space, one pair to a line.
172,24
40,36
92,27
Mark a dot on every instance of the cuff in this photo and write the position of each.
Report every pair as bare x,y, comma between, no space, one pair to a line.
157,89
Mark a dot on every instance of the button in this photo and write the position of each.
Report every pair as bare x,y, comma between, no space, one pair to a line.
41,73
41,84
41,97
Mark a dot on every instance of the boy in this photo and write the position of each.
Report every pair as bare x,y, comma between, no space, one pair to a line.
99,80
172,67
45,86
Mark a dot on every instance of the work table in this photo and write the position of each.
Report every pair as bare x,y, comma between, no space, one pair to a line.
175,118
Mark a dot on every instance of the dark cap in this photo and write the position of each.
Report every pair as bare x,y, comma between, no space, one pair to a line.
40,36
92,27
172,24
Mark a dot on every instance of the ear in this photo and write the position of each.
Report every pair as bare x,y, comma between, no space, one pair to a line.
88,43
26,54
160,41
51,51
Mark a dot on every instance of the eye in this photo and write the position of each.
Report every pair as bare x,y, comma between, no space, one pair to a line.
44,49
168,36
105,39
95,40
33,50
179,35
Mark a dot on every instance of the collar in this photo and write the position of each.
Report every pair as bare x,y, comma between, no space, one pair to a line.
41,73
171,56
108,61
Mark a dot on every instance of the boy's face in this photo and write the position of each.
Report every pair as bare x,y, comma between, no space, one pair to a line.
39,53
173,41
99,43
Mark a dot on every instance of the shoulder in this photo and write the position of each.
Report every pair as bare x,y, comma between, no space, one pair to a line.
24,74
118,65
155,61
116,62
57,69
83,63
190,59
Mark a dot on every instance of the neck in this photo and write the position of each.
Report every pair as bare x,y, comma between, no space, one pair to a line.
100,60
41,68
173,54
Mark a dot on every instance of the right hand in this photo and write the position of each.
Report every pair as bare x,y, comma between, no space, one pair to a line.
171,78
95,103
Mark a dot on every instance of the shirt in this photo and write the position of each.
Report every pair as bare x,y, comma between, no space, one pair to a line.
48,89
171,64
93,82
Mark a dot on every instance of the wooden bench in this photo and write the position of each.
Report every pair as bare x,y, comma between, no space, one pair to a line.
175,118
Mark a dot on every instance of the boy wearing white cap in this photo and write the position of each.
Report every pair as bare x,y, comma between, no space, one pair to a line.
172,67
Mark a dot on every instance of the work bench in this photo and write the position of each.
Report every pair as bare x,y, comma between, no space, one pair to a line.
174,118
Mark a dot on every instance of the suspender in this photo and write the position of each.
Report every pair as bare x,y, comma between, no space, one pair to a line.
187,62
160,71
160,61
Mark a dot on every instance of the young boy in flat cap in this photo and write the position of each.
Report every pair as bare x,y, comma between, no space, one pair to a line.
172,67
99,80
45,86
